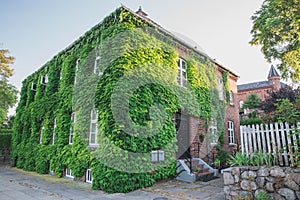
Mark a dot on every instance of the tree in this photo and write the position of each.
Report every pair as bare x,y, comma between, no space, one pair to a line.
269,104
8,92
252,102
276,28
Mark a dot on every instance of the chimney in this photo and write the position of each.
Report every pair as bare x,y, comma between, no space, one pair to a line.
141,12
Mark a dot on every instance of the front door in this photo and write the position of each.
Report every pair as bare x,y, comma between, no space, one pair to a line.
183,137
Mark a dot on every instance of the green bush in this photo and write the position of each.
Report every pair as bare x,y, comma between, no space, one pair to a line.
251,121
5,141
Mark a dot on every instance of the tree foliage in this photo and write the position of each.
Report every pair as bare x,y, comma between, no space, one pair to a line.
252,101
276,28
8,92
268,105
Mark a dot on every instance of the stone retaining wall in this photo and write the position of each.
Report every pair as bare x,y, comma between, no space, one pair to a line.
246,182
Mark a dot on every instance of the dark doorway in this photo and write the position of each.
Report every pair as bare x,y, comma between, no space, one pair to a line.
183,136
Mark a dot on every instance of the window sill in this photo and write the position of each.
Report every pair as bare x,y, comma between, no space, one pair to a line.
93,145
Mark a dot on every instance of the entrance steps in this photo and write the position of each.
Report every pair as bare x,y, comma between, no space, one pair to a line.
201,171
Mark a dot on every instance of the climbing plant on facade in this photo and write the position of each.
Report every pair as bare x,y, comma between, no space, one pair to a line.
123,71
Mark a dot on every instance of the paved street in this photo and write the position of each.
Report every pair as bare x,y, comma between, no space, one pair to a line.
16,184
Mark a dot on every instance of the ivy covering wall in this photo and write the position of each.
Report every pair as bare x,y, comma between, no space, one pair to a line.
135,96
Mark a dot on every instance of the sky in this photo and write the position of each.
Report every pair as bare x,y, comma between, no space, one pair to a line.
34,31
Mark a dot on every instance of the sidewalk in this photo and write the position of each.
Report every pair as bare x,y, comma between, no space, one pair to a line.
16,184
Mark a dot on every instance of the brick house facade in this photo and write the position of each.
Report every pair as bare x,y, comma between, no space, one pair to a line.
260,88
62,73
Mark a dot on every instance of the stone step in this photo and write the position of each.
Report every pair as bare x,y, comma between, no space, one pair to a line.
202,170
205,176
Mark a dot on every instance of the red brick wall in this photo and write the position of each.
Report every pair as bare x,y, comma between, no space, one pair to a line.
232,114
261,92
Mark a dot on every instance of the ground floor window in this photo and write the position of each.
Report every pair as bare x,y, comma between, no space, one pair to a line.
230,132
88,176
69,173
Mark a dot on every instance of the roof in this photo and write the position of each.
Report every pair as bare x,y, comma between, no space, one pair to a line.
178,39
273,72
256,85
249,86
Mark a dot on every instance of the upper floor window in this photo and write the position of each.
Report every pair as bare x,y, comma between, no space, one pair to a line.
230,132
44,80
182,75
221,89
93,128
77,67
73,119
96,66
231,98
33,86
60,74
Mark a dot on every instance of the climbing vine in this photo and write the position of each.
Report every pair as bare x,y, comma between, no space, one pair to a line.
135,93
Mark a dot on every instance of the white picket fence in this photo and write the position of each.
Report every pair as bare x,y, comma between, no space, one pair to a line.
275,139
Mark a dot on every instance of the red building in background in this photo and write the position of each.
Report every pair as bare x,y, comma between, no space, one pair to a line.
260,88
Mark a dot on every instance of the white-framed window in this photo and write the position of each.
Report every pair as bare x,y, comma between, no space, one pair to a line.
221,89
69,173
33,86
231,98
93,128
241,103
77,64
182,75
44,80
73,119
53,132
96,65
157,156
77,67
230,132
41,134
213,128
88,176
60,74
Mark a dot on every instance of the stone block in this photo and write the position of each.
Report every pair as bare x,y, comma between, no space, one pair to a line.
235,171
245,185
298,194
296,178
228,178
277,172
245,195
263,172
260,181
254,168
227,190
287,193
291,184
253,186
270,179
249,175
269,187
276,196
248,185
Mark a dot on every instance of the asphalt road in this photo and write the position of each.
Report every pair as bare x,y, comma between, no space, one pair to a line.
18,185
